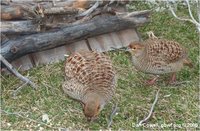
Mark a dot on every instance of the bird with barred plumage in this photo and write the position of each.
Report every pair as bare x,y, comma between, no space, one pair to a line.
158,56
90,78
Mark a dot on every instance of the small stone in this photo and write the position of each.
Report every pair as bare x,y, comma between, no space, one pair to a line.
45,118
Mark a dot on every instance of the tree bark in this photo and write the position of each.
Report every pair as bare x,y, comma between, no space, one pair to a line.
22,27
18,12
10,12
61,11
14,49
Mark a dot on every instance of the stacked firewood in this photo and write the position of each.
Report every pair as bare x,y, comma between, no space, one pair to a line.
32,16
29,26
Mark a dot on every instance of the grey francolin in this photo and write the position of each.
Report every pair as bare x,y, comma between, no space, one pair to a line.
90,79
159,56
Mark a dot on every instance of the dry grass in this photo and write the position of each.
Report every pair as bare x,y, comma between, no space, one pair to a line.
177,105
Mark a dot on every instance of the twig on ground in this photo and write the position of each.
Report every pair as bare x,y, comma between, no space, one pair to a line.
19,115
192,20
182,19
114,111
190,13
151,110
16,73
151,35
179,83
19,88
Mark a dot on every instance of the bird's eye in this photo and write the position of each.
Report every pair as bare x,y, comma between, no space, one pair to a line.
133,48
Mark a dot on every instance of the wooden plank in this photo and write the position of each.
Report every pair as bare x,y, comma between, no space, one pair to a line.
116,39
78,46
127,36
23,63
49,56
57,54
104,42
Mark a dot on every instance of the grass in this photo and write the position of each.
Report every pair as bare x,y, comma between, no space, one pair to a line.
177,106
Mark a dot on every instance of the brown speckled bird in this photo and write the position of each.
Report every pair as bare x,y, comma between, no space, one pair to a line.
90,79
159,56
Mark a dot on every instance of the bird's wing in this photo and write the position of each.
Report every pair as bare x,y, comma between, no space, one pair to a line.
103,72
78,66
88,66
167,51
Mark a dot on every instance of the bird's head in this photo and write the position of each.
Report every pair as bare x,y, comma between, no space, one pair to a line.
92,109
136,48
92,105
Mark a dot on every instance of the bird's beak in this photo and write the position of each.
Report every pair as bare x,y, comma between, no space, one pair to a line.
91,119
127,49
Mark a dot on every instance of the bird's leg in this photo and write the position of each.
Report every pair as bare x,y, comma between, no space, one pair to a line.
152,81
173,81
173,78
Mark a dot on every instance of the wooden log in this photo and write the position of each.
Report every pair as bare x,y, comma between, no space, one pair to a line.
9,12
31,0
13,49
11,27
4,38
60,11
18,12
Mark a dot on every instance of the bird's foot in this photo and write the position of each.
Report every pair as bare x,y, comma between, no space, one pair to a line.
151,81
172,80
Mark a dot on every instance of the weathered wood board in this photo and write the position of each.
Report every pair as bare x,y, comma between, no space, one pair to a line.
23,63
99,43
116,39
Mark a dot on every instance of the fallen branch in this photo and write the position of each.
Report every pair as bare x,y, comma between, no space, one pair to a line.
190,13
192,20
16,73
151,110
90,10
114,111
180,83
14,49
179,18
